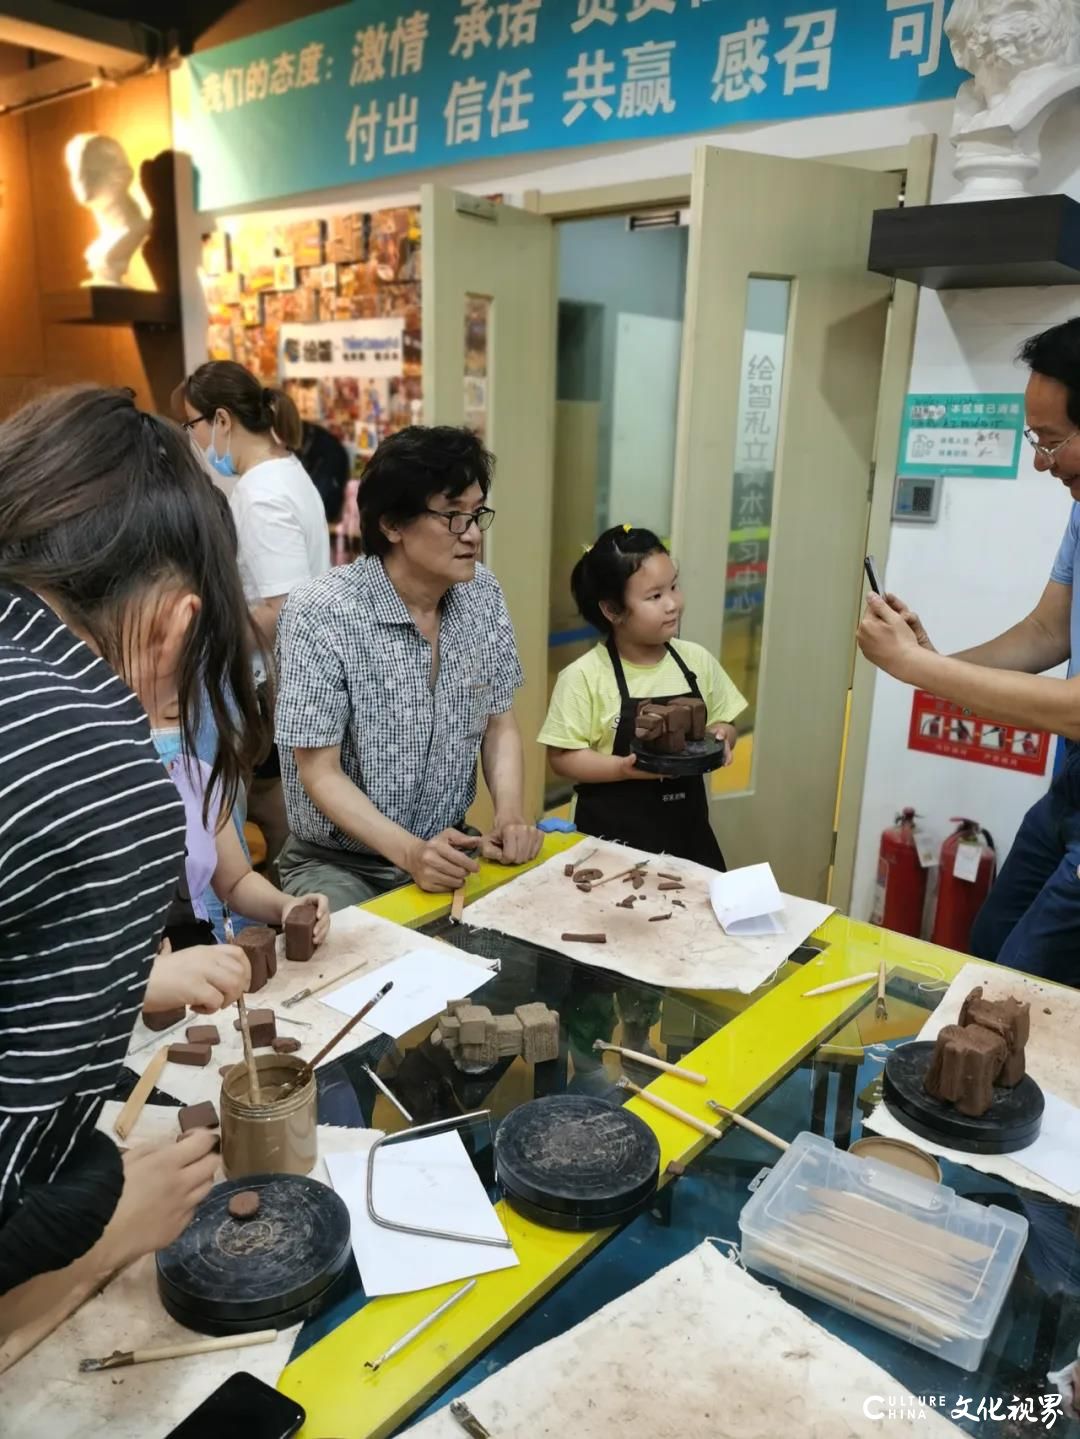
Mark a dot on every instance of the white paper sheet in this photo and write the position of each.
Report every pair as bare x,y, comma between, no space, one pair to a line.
423,982
1055,1155
429,1181
748,901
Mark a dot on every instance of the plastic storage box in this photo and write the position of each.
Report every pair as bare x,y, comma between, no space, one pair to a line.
903,1253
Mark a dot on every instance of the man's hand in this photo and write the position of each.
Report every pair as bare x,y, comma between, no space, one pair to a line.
912,620
512,841
441,864
206,978
730,736
162,1185
322,914
887,640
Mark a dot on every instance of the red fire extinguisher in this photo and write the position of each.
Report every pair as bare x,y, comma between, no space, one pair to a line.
968,867
900,892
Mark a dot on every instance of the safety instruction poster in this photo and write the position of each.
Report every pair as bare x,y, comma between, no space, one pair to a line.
938,727
973,435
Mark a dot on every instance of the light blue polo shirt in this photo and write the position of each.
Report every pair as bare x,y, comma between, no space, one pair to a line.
1065,571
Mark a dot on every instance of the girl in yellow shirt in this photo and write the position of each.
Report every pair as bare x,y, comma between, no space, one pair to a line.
627,587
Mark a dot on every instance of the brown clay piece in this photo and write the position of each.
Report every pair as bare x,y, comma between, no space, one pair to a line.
656,918
285,1044
245,1204
202,1034
198,1116
259,943
300,932
196,1054
598,938
163,1019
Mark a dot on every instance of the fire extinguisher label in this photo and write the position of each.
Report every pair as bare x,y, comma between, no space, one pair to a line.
924,848
878,913
966,864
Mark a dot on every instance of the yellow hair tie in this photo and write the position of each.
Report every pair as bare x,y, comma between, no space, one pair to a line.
585,549
627,529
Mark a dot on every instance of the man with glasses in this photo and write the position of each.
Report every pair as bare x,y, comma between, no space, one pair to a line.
396,674
1031,920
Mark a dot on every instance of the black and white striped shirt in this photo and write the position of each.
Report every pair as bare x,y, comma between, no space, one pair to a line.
91,847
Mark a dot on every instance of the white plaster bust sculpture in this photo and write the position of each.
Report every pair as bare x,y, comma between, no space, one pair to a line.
102,177
1024,58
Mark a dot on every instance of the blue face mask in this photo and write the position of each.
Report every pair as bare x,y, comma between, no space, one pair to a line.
168,745
222,463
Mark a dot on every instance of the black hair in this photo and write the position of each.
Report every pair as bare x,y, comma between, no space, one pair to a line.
225,385
1055,353
100,507
409,469
602,573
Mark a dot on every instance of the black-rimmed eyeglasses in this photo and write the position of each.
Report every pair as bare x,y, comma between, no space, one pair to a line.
189,425
458,521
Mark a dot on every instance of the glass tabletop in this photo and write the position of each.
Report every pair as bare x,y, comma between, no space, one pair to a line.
830,1091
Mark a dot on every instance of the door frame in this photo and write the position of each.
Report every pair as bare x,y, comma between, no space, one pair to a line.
914,164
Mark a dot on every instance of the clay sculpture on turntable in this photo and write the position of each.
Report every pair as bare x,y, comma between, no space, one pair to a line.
986,1049
667,728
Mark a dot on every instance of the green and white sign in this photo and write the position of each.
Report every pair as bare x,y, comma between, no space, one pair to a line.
975,435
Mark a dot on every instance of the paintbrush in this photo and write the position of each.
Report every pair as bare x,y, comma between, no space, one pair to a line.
306,1069
881,1009
124,1357
254,1090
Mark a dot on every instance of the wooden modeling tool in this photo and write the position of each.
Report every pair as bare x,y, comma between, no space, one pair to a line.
650,1060
457,905
881,1009
418,1329
849,983
748,1124
622,874
304,1073
254,1091
122,1358
701,1125
128,1117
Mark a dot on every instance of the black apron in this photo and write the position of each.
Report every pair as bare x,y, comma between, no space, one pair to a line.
665,816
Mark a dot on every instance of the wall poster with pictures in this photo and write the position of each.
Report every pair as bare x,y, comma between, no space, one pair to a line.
354,279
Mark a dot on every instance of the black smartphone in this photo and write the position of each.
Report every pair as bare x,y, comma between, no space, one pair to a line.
242,1405
872,574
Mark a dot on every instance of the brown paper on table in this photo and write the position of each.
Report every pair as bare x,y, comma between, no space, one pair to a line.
698,1351
691,951
356,938
1051,1062
45,1395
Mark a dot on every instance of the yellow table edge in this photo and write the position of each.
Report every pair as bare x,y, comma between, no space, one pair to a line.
741,1062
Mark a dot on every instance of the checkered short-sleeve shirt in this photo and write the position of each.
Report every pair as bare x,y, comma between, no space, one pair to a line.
353,671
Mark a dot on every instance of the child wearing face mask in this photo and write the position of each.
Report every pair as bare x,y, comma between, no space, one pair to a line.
627,587
192,969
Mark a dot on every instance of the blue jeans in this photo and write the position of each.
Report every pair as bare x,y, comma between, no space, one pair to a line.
1031,919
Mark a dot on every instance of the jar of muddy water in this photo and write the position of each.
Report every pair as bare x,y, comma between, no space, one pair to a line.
277,1135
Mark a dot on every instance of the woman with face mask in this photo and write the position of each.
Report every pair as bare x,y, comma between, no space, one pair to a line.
248,434
118,588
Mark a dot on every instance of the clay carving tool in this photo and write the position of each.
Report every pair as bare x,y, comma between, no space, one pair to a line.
748,1124
623,873
394,1100
650,1060
849,983
323,984
128,1117
570,869
881,1009
468,1420
304,1073
418,1329
254,1091
122,1358
457,905
701,1125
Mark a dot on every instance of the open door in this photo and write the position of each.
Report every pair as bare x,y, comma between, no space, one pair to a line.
489,322
782,357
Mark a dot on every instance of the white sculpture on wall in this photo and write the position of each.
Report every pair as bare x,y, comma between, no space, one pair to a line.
102,177
1024,58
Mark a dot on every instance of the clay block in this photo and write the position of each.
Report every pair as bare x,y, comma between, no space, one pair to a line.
589,876
539,1033
286,1044
300,932
656,918
628,902
244,1205
163,1019
202,1034
568,870
597,938
485,1053
585,888
637,880
696,714
196,1054
965,1063
262,1026
475,1019
1011,1018
455,1006
450,1029
198,1116
509,1034
260,945
671,884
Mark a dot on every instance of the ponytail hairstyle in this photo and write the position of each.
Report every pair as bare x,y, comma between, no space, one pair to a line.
225,385
103,509
600,577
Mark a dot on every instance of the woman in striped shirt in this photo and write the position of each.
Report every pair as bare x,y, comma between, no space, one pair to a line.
118,583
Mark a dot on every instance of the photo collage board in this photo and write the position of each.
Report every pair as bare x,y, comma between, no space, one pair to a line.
359,267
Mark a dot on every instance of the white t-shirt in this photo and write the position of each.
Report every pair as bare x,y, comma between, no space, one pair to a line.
281,527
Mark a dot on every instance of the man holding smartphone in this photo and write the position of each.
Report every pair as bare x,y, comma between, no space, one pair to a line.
1031,921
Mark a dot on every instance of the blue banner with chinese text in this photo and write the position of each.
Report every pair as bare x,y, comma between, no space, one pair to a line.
382,87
